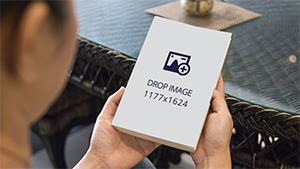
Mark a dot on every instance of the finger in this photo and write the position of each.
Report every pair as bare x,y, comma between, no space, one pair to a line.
219,106
112,104
220,86
218,103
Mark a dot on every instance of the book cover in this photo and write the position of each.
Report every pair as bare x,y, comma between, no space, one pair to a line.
168,94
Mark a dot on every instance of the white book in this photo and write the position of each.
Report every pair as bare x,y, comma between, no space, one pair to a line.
168,94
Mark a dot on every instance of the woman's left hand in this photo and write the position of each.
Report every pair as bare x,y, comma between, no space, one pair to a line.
113,149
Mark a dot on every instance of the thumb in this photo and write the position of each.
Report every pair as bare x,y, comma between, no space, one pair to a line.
112,104
218,103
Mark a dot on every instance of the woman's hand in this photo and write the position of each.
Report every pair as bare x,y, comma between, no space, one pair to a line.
110,148
213,148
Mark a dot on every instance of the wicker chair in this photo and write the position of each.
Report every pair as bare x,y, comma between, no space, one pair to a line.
97,77
262,138
74,107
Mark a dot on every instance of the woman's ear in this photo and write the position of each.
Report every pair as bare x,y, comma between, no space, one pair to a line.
31,28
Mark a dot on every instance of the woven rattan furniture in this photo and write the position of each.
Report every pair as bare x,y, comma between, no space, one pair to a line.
97,73
262,138
74,107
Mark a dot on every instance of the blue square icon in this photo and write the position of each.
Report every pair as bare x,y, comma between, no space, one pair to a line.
178,63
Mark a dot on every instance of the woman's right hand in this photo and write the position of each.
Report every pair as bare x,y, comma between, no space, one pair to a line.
213,149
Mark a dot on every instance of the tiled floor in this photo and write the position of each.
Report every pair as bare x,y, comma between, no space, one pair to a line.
77,144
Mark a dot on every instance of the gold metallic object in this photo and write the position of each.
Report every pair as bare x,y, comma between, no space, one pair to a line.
197,7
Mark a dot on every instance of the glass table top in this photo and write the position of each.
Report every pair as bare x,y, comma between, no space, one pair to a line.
262,64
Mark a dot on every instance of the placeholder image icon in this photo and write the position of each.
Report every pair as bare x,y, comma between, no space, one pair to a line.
178,63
